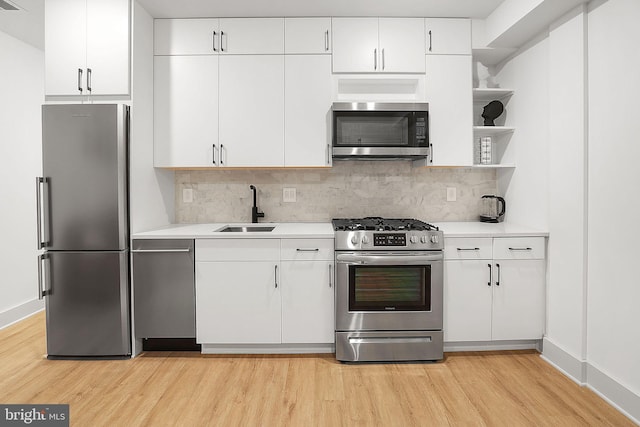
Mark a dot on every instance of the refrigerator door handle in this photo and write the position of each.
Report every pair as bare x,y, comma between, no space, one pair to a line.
41,291
40,182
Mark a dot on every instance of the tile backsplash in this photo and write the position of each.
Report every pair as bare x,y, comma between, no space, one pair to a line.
349,189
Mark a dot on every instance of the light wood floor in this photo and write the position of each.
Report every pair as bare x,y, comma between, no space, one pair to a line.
188,389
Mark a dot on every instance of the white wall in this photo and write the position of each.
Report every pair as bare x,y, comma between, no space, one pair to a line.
613,308
151,190
567,185
21,97
525,188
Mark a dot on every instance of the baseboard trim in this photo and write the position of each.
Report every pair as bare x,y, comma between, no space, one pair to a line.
15,314
585,374
619,396
492,345
267,348
564,362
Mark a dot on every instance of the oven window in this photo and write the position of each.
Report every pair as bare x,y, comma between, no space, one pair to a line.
389,288
370,129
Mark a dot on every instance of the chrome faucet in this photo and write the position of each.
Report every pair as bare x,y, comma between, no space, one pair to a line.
255,214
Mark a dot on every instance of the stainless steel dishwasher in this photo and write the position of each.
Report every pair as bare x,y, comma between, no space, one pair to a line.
164,288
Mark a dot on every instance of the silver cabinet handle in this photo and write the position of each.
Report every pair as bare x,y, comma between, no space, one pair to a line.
498,279
375,59
430,153
467,249
213,38
221,152
330,275
275,276
383,58
326,41
41,291
490,275
307,250
214,154
80,79
160,251
88,79
521,249
40,181
430,41
221,41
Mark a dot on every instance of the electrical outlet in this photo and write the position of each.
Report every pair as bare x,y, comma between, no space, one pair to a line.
451,194
289,195
187,195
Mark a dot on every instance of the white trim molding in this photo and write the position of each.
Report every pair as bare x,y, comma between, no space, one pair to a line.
619,396
15,314
267,348
565,362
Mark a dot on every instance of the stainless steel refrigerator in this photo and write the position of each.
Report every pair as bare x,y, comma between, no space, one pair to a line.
83,226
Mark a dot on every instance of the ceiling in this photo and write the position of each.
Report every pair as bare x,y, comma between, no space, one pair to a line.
241,8
26,23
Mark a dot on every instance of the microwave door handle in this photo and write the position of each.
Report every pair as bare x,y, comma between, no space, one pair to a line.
388,259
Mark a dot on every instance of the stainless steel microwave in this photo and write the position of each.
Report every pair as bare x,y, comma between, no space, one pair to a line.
374,130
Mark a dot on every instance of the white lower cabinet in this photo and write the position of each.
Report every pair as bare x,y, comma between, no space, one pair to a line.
494,289
264,291
307,302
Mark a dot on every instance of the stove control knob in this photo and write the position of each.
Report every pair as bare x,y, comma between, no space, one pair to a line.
354,239
365,240
434,239
414,239
423,239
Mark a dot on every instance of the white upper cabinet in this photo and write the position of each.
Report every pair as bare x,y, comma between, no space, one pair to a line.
307,35
378,45
185,111
401,46
308,97
251,110
355,45
186,36
247,36
87,47
448,92
451,36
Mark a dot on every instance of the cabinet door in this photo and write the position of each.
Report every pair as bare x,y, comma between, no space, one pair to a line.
467,300
186,37
401,45
307,91
252,110
65,46
185,111
307,35
448,36
307,302
237,303
252,35
355,45
518,299
108,47
448,92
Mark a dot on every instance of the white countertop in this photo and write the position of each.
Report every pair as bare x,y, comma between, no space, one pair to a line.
284,230
486,229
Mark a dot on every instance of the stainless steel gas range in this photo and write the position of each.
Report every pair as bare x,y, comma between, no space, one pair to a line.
389,278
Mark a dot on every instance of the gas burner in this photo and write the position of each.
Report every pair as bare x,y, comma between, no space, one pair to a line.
381,224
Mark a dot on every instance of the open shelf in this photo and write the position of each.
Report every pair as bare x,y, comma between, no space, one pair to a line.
489,94
492,130
488,56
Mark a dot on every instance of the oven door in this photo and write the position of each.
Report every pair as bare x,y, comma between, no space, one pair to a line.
390,291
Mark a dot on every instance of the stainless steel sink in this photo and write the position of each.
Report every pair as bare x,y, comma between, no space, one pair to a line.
246,229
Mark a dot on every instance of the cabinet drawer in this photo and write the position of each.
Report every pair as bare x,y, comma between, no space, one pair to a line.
518,248
467,248
238,250
307,249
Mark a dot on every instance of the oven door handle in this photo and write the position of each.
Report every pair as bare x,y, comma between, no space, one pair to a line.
388,259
